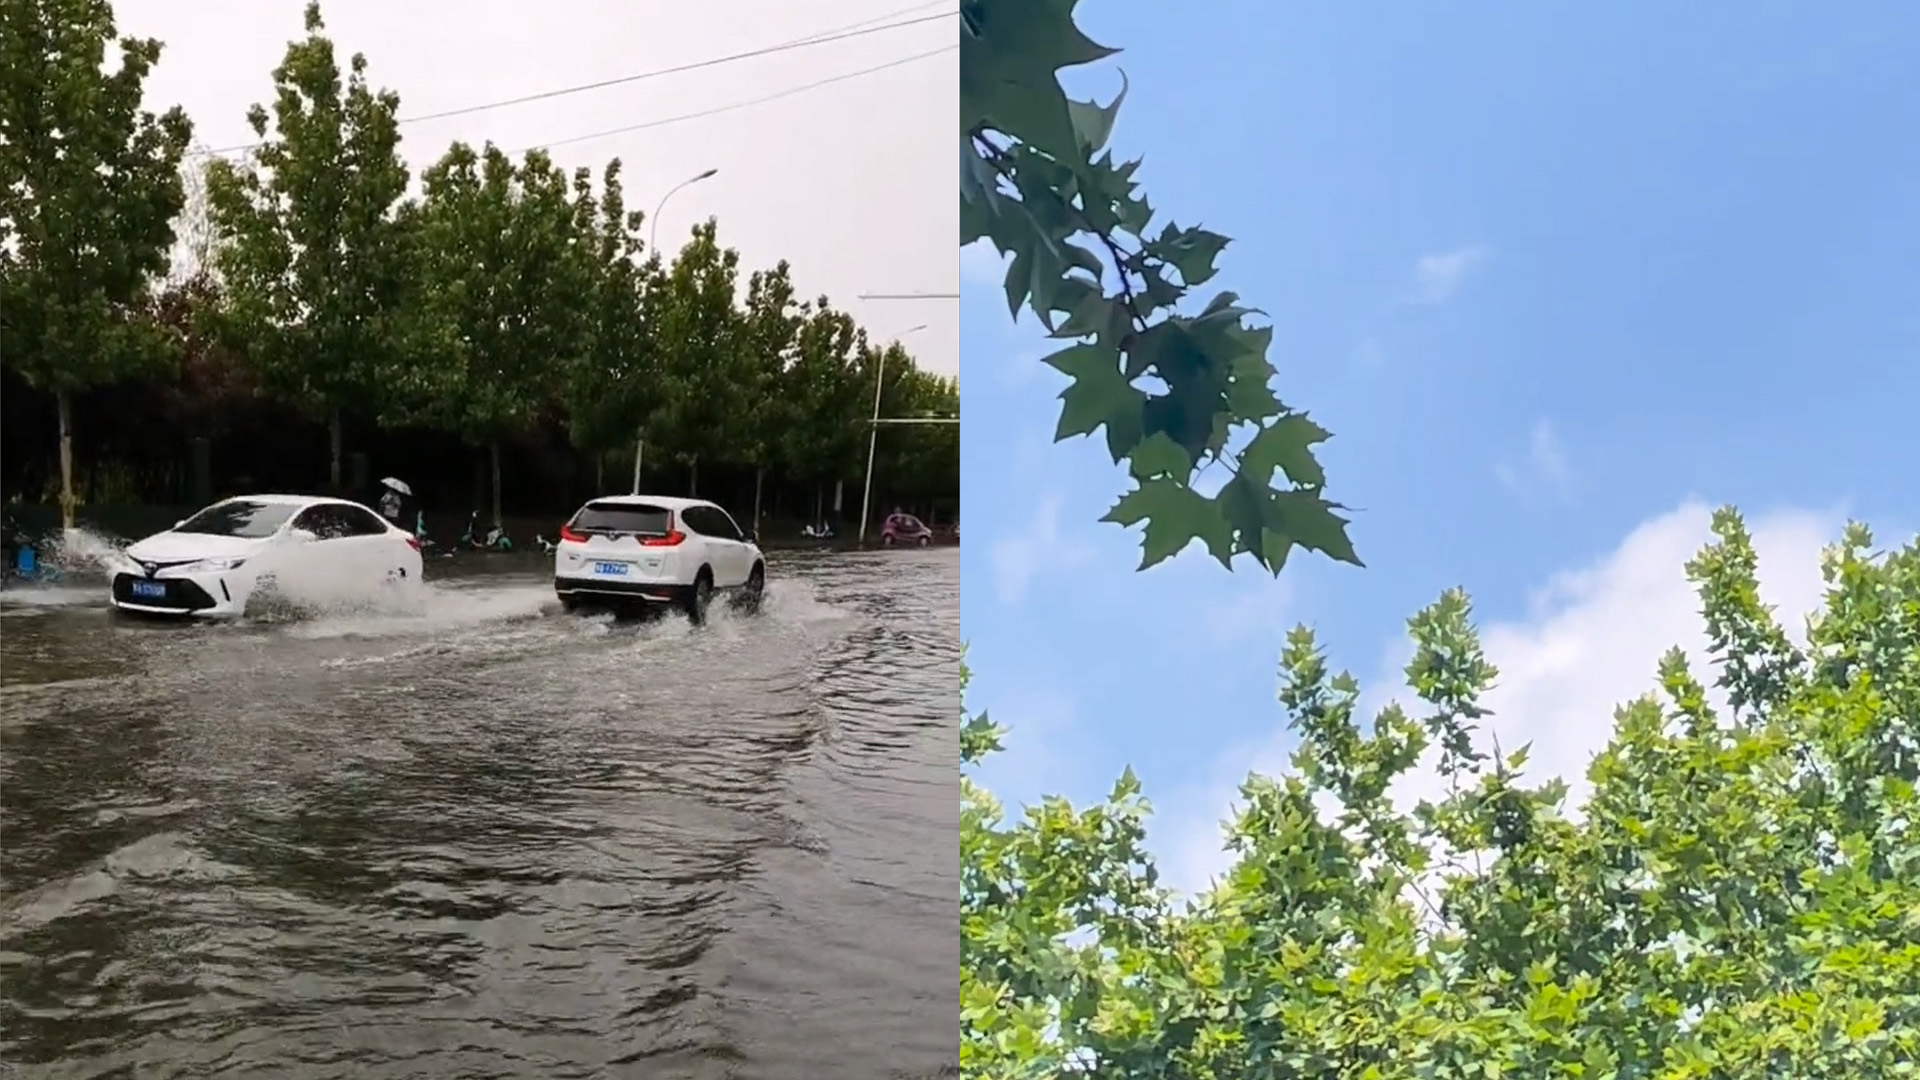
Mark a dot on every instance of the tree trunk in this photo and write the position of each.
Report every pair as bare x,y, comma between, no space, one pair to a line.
759,474
63,402
335,442
819,500
693,476
599,473
493,454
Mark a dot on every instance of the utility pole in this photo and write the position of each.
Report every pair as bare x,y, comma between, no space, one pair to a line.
873,434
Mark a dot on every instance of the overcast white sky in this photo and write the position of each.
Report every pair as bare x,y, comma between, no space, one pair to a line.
850,182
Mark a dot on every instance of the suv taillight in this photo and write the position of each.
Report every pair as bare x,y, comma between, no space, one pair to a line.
413,542
672,539
567,534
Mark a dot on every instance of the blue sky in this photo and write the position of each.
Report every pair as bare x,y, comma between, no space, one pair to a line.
1559,279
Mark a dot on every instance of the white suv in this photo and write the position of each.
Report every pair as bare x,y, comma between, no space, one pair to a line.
655,550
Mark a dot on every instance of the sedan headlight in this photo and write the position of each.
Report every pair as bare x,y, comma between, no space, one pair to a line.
210,565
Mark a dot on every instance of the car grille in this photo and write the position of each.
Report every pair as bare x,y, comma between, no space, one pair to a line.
182,595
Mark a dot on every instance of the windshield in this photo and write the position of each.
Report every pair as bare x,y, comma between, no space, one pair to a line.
243,518
623,519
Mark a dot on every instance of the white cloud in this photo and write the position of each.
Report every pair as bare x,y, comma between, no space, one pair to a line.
1590,641
1546,466
1038,549
1438,276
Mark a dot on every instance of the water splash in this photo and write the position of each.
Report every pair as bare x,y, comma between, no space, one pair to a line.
82,551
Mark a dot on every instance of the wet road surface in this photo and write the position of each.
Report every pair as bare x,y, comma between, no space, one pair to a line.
493,841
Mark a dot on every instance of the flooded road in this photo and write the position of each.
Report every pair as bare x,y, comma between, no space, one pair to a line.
494,841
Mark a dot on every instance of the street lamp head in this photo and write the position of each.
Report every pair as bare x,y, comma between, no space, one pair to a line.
706,174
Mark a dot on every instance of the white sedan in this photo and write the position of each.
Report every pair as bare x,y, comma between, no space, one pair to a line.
656,550
299,546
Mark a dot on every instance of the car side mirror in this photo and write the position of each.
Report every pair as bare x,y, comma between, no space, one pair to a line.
303,536
751,537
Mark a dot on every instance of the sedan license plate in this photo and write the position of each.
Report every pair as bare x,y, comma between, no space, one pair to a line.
149,590
610,569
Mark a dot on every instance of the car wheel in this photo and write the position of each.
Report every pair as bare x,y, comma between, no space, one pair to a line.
923,541
569,605
701,598
755,589
886,539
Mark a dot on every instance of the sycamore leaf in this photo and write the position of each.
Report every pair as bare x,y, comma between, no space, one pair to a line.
1159,456
1175,516
1099,394
1093,123
1191,252
1286,444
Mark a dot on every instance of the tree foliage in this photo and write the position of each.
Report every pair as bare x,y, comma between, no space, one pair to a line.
314,268
504,299
908,392
1739,897
89,187
609,391
705,363
1180,385
502,268
823,381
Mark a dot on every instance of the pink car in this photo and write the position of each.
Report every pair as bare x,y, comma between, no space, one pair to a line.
905,529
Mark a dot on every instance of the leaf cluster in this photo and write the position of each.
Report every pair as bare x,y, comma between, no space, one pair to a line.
1181,387
1738,897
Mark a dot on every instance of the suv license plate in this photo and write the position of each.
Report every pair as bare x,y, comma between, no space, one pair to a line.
611,569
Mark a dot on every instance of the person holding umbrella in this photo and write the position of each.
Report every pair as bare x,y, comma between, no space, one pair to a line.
392,499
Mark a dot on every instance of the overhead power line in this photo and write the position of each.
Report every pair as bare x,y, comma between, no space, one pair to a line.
850,31
789,92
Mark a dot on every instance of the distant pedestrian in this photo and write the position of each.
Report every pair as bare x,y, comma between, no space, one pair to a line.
393,500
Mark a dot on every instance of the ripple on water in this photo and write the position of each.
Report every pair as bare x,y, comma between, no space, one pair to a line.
485,839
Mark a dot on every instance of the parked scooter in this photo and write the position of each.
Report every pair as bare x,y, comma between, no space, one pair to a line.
492,539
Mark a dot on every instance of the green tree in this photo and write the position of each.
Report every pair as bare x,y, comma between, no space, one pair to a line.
918,460
507,268
313,259
1739,897
769,338
609,390
90,185
1176,393
824,432
704,380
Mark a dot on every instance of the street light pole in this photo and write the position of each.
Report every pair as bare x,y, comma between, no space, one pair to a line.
873,433
653,233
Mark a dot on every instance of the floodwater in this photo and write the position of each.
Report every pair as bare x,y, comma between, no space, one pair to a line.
489,841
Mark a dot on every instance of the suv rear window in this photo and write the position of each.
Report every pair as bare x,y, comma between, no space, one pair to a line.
623,519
